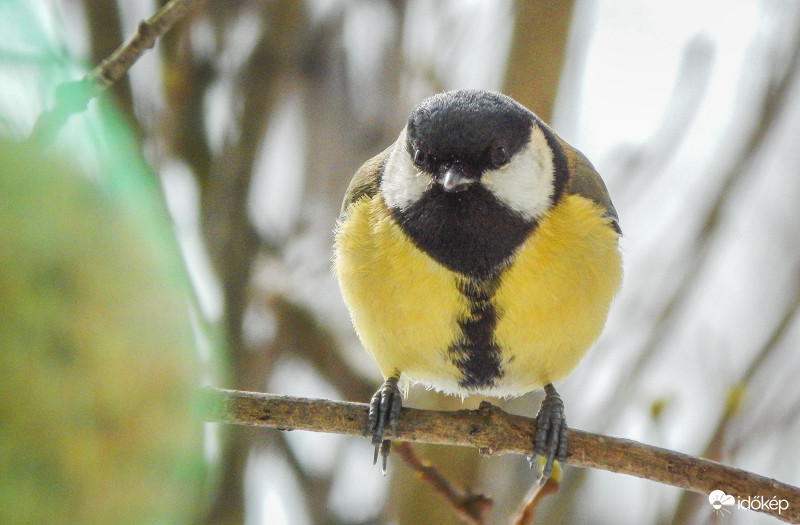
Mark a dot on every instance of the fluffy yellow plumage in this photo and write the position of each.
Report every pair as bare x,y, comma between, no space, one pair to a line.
553,300
477,255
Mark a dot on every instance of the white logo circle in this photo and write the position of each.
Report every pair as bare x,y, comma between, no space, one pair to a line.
718,498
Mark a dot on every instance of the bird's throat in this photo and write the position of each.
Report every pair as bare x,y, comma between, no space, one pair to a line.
469,232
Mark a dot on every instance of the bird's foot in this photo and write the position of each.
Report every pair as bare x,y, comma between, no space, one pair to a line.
550,440
384,410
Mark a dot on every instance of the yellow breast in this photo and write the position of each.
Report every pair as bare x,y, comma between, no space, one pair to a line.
551,302
554,298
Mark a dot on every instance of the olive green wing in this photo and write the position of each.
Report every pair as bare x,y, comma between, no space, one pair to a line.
366,180
586,182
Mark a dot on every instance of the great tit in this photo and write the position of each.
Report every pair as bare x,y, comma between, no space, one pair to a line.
478,254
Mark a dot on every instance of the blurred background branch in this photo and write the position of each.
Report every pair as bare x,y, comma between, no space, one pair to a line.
254,115
73,97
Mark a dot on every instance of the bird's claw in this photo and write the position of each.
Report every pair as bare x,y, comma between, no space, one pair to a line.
550,440
384,410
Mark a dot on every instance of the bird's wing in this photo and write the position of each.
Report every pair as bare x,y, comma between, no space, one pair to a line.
365,181
586,182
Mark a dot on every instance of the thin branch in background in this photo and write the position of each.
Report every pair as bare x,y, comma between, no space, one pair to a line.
527,511
493,431
771,107
636,167
74,97
687,506
469,507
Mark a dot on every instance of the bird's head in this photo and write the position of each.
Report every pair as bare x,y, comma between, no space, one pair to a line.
467,142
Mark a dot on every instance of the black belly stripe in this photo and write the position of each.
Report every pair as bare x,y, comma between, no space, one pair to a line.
475,236
474,352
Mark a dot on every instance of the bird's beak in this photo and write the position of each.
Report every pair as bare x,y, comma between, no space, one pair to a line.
454,180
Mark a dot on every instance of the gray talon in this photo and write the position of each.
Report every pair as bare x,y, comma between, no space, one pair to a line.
384,410
550,440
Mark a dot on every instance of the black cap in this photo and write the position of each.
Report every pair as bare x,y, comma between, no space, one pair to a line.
466,127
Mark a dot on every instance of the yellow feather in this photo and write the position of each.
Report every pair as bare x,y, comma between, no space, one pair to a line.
404,305
551,303
553,300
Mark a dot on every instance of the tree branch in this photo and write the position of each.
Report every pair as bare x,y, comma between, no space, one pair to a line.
73,97
527,511
493,431
468,506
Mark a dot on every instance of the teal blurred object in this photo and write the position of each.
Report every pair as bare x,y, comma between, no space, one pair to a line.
99,369
98,422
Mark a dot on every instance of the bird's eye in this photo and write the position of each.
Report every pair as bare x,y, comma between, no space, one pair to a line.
499,156
420,158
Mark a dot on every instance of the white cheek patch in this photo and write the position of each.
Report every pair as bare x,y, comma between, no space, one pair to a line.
525,184
402,183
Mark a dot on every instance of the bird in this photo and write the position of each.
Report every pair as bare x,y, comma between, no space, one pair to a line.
477,255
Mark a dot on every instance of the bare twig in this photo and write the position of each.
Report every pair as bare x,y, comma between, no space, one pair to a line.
535,496
73,97
469,507
494,431
772,104
686,506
